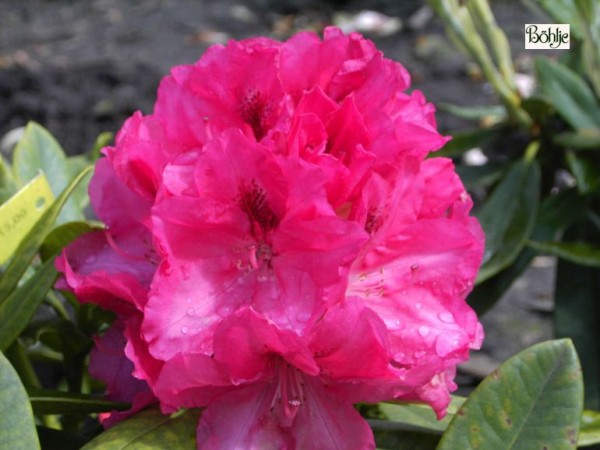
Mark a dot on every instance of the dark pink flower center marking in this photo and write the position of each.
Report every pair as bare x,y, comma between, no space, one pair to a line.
256,112
289,392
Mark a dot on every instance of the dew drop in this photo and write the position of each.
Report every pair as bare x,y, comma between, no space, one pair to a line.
424,331
294,402
184,330
399,356
262,278
362,277
418,305
419,354
446,317
414,267
224,310
90,259
303,316
190,311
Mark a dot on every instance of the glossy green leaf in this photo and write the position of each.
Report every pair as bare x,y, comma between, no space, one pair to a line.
574,101
589,431
17,309
508,216
17,428
58,402
419,416
577,252
586,138
30,245
533,400
557,212
37,150
576,312
585,167
62,236
149,429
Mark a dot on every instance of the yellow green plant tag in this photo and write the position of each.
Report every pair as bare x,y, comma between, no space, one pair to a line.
19,214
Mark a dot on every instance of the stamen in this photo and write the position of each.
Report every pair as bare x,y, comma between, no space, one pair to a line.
289,394
252,256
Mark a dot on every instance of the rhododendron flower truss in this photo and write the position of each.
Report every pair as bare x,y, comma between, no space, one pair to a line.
278,247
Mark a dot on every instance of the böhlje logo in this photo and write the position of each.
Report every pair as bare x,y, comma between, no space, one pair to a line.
548,36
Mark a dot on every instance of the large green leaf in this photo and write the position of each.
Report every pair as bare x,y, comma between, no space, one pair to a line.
38,150
577,312
58,402
508,216
557,212
586,138
574,101
149,429
17,429
533,400
19,306
31,243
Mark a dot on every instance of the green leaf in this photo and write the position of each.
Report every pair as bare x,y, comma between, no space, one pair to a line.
577,252
557,212
38,150
561,11
474,112
508,216
31,243
463,141
62,236
577,314
418,416
103,139
538,108
589,431
533,400
57,402
68,339
574,101
586,170
147,429
17,429
586,138
17,309
478,176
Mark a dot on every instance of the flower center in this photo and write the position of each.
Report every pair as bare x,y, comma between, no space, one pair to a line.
289,393
253,202
255,111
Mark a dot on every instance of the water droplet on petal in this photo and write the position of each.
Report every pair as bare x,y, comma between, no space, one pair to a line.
446,317
362,277
188,300
414,267
262,278
303,316
90,259
399,356
224,310
418,305
190,311
424,331
184,330
419,354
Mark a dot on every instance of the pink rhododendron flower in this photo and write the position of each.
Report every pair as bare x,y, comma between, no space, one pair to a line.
278,248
